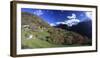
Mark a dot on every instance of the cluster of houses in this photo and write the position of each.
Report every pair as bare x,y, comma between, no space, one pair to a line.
27,28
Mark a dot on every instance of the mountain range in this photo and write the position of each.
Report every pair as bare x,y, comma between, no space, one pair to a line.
84,28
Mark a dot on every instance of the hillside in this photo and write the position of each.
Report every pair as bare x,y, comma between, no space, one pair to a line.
36,33
83,28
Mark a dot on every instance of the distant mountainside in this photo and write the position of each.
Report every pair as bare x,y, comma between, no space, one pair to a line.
83,28
42,35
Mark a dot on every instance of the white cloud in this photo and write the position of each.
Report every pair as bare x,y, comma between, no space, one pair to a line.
70,22
52,24
38,12
89,14
60,22
72,17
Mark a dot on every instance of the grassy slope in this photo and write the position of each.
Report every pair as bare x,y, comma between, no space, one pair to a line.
35,42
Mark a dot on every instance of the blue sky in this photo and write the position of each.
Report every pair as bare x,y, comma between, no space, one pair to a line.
54,16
